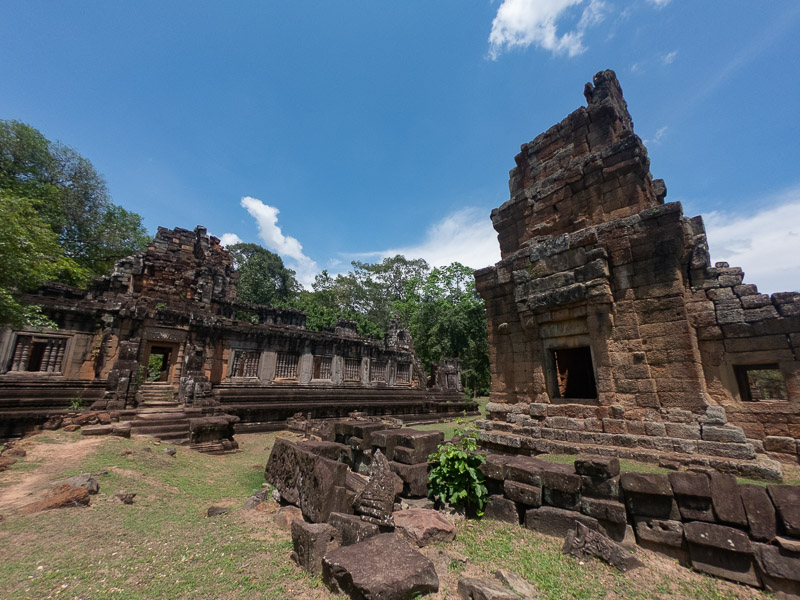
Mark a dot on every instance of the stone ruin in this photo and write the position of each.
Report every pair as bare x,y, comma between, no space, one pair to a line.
162,347
610,332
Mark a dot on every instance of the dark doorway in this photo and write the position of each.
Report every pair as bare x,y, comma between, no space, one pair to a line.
574,373
761,382
158,363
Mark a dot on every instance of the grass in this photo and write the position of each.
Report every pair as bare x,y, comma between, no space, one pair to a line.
163,546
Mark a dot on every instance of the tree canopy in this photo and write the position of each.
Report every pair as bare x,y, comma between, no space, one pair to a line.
69,195
263,278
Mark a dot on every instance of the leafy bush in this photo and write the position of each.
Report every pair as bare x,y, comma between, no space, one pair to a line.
456,478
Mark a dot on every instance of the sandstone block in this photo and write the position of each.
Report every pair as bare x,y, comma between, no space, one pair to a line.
726,499
690,484
501,509
646,483
608,489
604,510
597,467
784,445
726,450
414,477
778,562
522,493
724,433
659,531
525,469
61,496
556,521
561,478
383,566
311,541
424,526
721,551
352,529
583,541
472,588
760,512
684,431
786,499
286,515
715,415
494,467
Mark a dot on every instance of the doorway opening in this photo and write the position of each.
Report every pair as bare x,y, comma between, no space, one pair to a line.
761,383
574,373
159,362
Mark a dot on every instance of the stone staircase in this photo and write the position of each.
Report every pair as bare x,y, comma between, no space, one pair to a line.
160,416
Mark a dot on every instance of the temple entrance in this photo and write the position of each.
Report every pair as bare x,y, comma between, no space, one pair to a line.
160,362
574,373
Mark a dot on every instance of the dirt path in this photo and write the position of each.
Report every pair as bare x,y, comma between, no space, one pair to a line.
53,459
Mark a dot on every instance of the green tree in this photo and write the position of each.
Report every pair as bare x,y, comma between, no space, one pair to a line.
447,318
69,195
263,278
31,256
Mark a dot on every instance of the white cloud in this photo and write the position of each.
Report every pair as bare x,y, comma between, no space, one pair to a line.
229,239
669,58
766,245
659,3
656,139
287,247
465,236
520,23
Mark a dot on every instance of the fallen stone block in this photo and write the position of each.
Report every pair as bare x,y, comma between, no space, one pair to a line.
382,567
472,588
556,521
517,583
494,466
582,542
760,512
310,543
84,480
376,500
786,499
561,478
122,429
524,469
352,529
424,526
61,496
125,498
414,477
778,562
409,446
286,515
215,511
97,430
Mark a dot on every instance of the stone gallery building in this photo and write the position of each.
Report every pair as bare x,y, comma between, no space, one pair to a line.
164,330
609,329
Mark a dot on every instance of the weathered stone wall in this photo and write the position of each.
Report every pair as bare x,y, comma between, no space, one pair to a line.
605,299
746,533
177,300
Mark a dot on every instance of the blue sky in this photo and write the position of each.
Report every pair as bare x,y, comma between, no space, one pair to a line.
330,131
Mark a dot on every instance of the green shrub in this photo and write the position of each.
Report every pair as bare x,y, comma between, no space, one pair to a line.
456,478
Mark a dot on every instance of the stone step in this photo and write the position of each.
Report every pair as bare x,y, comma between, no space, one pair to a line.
161,429
157,422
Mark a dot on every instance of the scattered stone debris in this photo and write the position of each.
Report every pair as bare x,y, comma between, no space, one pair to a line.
215,511
125,497
517,583
286,515
84,480
424,526
170,451
61,496
383,566
311,542
254,501
582,542
473,588
5,462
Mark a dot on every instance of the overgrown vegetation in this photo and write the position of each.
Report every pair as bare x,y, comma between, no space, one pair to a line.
455,478
56,219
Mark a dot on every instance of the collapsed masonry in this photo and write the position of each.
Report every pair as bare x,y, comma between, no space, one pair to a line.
610,332
162,342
